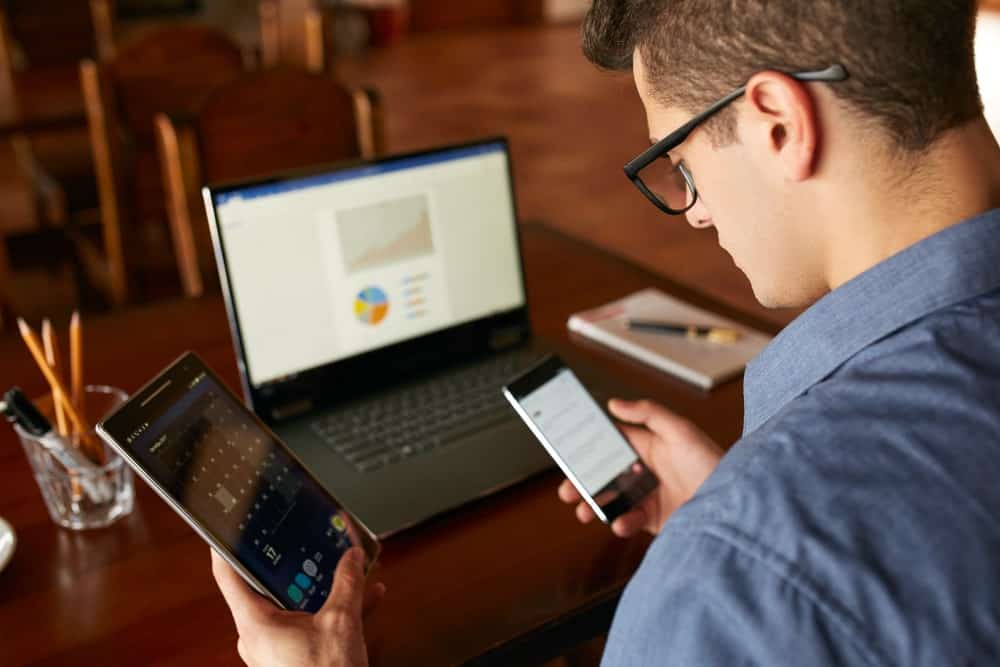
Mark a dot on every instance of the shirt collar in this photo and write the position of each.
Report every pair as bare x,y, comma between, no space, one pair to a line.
953,265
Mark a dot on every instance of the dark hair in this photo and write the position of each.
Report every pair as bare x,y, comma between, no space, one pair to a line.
910,62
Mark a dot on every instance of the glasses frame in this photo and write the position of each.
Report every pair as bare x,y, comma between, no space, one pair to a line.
833,73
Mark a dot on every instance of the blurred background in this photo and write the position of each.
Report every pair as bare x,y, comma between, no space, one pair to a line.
113,113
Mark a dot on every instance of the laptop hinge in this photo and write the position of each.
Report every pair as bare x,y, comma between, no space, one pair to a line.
292,409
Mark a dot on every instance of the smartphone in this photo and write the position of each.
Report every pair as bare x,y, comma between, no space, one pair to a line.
591,451
232,480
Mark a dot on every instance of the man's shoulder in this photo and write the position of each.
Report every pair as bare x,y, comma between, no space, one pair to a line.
920,404
905,429
963,336
873,494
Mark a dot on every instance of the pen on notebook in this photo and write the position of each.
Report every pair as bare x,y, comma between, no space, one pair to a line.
711,334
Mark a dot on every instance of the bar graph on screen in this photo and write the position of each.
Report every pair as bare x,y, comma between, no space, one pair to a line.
384,233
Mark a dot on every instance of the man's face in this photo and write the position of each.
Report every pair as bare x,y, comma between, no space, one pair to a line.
744,196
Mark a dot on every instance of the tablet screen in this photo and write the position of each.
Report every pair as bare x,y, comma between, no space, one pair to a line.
212,457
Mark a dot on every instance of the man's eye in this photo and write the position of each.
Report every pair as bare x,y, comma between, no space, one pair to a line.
673,165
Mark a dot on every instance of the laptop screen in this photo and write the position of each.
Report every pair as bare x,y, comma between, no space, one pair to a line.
333,265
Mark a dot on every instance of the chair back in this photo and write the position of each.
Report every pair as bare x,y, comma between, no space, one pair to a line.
292,33
47,38
260,124
56,32
171,69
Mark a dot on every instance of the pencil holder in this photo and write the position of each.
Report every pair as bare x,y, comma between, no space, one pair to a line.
80,494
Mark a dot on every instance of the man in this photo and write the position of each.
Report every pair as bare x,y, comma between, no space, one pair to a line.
839,150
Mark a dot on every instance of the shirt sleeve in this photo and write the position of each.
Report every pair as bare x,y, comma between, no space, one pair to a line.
702,599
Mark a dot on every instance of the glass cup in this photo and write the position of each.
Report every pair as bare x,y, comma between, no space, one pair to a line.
78,493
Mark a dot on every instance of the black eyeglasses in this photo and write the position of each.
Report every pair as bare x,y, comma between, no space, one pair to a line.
670,187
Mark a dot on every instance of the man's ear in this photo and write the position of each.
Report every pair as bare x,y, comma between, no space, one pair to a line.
782,120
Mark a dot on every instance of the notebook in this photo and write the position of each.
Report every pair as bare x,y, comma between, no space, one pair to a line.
699,362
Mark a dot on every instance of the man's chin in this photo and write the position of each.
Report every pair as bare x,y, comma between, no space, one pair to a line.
780,298
768,302
766,295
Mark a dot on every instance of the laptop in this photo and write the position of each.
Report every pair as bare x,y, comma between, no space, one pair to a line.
376,309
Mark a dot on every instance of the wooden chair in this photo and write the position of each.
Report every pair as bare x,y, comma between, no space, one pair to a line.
292,33
41,44
172,68
260,124
55,33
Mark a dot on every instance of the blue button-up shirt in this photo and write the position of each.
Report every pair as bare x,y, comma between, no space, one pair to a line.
857,521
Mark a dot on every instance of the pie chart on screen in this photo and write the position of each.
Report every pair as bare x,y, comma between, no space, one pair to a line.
371,305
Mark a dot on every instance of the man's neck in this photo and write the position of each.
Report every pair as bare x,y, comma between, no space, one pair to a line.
957,178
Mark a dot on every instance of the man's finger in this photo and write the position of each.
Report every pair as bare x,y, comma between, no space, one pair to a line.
247,607
348,591
584,513
654,416
629,524
373,597
640,437
568,493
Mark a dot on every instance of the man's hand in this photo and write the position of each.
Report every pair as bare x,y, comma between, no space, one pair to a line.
333,636
676,450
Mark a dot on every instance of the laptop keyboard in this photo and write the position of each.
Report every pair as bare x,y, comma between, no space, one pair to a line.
421,418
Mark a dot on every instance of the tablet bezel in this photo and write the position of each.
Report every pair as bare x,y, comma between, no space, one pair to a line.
123,426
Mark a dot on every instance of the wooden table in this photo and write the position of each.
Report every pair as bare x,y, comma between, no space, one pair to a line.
505,580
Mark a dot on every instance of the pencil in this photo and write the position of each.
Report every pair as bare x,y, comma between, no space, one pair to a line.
53,358
87,443
76,364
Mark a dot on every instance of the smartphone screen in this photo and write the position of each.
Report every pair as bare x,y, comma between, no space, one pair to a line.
591,451
234,481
